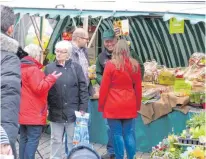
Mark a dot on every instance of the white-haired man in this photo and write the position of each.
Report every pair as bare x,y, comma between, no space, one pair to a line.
69,94
10,77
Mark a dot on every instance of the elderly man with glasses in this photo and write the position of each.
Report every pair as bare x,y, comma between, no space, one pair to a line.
80,38
68,94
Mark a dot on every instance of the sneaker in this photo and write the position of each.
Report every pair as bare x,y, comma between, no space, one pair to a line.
108,156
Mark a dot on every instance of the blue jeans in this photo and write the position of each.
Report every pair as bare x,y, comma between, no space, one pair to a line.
123,135
29,140
110,146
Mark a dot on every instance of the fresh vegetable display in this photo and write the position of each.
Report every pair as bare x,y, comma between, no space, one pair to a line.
67,36
150,70
92,72
150,95
197,98
166,77
167,149
197,120
171,148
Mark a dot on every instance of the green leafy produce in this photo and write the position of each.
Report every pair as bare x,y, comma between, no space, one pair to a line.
197,120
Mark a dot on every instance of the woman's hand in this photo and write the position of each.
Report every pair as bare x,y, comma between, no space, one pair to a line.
5,149
82,112
55,75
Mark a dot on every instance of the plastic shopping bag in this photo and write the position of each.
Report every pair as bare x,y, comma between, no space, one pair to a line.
81,133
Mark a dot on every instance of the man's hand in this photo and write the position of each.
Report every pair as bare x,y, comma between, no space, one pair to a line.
55,75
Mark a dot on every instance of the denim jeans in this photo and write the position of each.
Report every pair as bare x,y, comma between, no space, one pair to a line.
29,140
110,146
58,131
123,135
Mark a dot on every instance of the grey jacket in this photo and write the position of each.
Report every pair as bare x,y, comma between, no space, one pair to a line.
68,94
75,58
10,86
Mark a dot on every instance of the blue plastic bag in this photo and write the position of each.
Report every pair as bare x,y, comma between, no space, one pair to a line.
81,133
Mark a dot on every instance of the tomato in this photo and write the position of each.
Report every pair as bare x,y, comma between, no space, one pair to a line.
64,34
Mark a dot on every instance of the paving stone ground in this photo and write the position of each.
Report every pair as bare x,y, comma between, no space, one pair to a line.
44,148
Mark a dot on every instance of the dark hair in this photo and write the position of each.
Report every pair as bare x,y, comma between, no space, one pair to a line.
7,18
21,53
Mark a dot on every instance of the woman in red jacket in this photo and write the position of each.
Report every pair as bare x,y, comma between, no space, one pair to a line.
33,107
120,98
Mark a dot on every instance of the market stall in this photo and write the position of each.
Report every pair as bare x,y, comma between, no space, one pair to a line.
153,35
168,95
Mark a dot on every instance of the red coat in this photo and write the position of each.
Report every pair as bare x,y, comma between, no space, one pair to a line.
119,99
35,87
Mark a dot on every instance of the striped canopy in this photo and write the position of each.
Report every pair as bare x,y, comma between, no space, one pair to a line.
150,38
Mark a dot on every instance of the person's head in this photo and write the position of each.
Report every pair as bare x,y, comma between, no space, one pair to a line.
110,40
7,20
63,50
83,151
34,51
80,37
122,52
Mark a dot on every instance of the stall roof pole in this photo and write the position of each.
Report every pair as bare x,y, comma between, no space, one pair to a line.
85,23
41,27
74,23
37,35
41,37
95,32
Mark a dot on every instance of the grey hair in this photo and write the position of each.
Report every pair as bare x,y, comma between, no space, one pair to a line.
33,50
79,32
7,18
64,45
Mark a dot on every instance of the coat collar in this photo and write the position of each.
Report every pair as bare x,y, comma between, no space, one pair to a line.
28,60
109,55
8,44
66,63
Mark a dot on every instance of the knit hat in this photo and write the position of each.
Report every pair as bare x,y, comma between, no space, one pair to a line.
3,136
7,18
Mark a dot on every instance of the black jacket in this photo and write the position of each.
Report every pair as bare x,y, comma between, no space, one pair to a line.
68,94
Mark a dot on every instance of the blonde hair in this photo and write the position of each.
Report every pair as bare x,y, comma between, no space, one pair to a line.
121,53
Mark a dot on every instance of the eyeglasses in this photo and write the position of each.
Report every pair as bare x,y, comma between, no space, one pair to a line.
61,52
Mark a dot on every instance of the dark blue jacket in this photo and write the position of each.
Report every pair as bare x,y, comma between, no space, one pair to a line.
68,94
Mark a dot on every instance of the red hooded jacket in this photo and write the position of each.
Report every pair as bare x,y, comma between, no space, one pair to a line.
120,92
35,87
